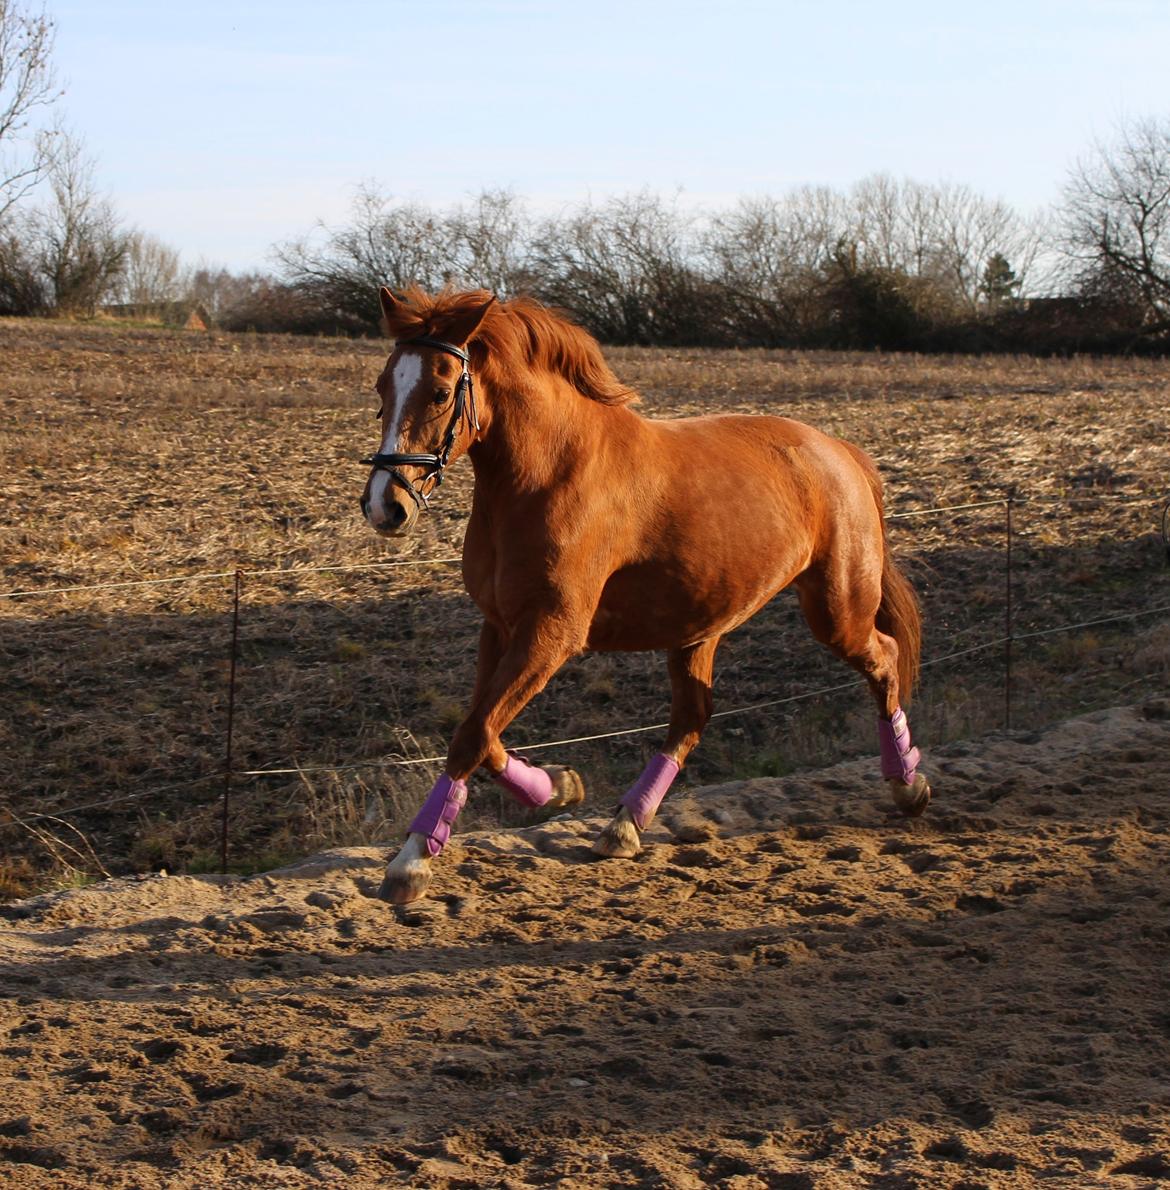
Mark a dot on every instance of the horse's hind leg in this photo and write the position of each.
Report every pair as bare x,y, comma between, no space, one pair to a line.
690,708
841,614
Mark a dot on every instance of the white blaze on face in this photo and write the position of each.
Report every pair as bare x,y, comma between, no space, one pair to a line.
407,373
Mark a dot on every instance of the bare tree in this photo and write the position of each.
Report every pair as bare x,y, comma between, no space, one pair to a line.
215,289
152,273
1116,221
884,227
893,262
401,244
27,86
490,239
940,239
970,231
767,255
23,288
385,243
78,242
629,270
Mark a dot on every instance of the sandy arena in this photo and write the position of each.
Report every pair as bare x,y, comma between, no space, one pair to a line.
788,988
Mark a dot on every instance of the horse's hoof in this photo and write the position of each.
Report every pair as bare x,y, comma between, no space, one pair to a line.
620,839
568,790
913,799
403,886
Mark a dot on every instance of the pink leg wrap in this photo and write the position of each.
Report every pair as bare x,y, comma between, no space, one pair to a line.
899,756
529,785
644,797
439,812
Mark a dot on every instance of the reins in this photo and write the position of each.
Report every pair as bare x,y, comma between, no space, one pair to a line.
436,462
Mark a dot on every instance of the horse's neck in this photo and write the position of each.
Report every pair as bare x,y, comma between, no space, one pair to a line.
538,432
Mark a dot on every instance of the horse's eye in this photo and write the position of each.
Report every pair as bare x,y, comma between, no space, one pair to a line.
441,395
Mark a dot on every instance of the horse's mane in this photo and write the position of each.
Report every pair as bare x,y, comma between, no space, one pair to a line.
523,334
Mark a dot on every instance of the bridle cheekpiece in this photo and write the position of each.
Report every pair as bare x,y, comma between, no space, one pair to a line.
434,463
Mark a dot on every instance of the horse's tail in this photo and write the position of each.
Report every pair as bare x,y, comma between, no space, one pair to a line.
898,614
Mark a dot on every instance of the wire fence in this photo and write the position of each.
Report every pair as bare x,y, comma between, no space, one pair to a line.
1010,503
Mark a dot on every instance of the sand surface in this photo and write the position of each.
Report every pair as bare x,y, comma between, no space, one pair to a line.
789,988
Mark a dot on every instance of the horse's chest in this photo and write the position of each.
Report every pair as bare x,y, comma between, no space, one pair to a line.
481,586
494,592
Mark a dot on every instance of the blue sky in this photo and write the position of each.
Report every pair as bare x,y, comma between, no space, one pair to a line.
224,127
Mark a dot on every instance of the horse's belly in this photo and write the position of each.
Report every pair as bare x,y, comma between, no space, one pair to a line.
653,607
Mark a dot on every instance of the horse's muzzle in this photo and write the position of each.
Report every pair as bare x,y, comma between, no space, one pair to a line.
392,520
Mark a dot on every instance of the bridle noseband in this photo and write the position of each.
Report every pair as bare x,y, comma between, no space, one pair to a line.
434,463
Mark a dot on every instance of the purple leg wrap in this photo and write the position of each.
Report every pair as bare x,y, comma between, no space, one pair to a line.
439,811
529,785
899,756
643,798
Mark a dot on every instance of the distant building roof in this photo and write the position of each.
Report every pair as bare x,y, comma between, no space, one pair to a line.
188,316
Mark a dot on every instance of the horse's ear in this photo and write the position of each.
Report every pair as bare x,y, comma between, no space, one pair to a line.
461,327
397,317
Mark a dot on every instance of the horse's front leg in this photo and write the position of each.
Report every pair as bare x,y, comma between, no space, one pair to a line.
409,872
508,677
546,787
690,708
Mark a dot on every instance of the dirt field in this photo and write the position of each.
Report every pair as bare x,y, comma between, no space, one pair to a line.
788,988
133,454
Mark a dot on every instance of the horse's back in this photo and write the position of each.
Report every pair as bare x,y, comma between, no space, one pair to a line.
793,470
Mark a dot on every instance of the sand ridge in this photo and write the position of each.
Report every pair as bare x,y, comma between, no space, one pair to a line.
790,987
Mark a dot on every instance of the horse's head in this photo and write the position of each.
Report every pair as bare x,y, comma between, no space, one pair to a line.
429,412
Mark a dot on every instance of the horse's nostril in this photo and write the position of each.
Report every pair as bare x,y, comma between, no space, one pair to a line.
395,516
365,506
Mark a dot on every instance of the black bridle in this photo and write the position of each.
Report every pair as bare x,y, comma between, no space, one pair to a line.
434,463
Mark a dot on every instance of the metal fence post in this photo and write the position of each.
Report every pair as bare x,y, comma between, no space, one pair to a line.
228,763
1007,613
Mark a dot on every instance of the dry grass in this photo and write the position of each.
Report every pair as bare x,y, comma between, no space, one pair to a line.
137,453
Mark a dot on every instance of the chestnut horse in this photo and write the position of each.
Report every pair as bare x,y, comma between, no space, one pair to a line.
595,528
